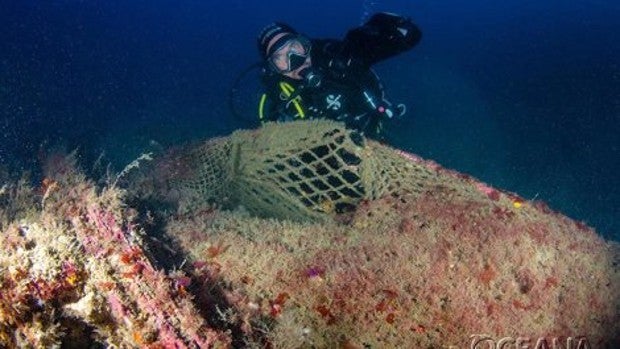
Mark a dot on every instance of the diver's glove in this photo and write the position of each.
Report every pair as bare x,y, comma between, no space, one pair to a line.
394,28
384,35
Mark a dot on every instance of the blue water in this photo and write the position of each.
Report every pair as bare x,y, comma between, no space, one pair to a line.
524,95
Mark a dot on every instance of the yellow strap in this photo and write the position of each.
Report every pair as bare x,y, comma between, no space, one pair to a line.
288,90
261,107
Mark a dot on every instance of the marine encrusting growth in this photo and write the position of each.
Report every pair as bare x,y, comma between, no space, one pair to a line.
300,235
73,271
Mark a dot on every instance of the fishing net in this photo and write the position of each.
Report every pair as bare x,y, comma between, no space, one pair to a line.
297,170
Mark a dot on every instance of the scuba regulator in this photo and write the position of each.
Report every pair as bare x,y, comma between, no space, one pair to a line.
312,77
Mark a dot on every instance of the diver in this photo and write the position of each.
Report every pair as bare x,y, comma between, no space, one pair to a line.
307,78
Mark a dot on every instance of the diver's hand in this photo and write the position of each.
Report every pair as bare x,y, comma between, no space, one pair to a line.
395,27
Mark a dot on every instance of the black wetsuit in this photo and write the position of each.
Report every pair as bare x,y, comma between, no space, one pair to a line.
349,91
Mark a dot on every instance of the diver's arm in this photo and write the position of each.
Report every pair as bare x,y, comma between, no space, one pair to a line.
384,35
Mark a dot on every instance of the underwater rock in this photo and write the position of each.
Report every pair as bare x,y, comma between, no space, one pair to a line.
74,271
424,270
421,256
429,257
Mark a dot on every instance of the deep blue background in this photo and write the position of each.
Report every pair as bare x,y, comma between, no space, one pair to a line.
524,95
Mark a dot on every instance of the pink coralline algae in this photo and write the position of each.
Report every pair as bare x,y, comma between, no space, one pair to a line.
491,193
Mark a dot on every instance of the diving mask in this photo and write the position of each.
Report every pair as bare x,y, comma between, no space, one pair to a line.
290,54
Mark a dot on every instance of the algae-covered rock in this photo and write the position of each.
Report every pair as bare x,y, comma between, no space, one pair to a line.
74,273
299,235
428,257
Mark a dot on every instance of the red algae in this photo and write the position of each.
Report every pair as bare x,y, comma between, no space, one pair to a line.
487,274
